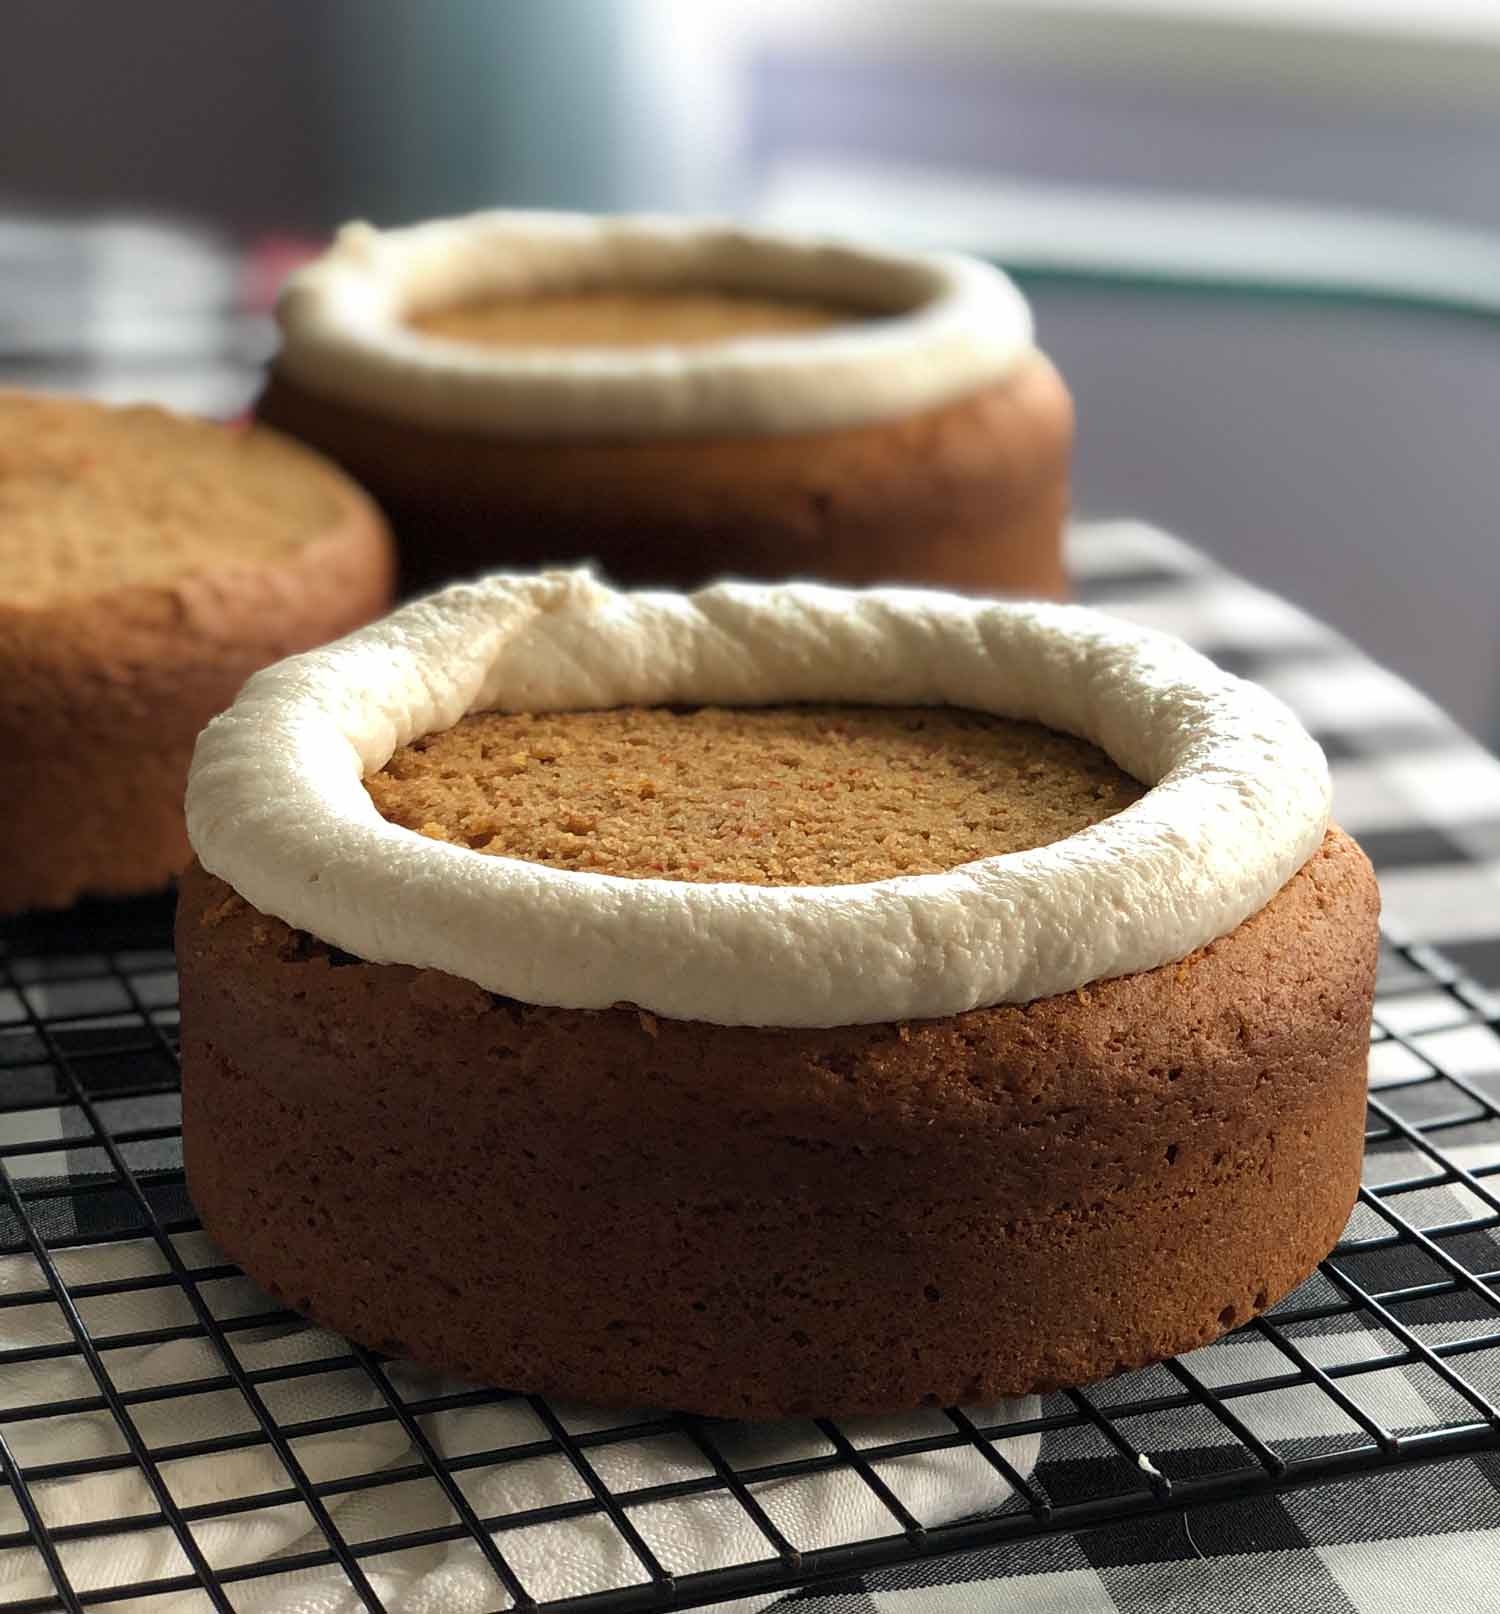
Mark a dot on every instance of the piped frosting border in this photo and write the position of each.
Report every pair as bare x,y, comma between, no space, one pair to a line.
956,325
1239,800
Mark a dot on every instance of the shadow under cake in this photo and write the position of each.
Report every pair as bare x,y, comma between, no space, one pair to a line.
623,1207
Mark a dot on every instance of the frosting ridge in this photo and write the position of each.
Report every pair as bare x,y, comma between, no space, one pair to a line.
956,324
1238,801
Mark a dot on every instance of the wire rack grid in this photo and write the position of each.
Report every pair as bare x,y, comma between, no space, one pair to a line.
169,1438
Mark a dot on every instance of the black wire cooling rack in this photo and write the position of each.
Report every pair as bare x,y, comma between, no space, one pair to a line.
164,1428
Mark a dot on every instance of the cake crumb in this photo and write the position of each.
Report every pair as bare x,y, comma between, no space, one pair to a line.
789,795
222,911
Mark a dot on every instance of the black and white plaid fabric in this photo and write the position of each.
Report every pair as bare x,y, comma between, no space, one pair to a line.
1424,800
90,1169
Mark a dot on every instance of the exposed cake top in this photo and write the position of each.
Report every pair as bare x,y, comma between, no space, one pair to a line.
277,804
922,329
779,795
626,319
94,499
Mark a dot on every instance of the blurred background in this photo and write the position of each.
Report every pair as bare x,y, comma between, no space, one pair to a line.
1262,236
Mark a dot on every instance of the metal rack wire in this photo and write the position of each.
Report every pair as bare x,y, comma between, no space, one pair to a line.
1389,1356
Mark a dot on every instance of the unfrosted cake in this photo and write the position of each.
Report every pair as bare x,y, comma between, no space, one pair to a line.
772,1000
677,400
148,564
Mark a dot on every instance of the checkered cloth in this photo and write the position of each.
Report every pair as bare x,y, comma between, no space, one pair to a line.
1423,799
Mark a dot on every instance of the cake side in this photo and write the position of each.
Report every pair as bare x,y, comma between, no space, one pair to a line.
117,646
757,1222
969,495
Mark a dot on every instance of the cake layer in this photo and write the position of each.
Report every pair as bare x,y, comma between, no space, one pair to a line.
626,319
625,1209
816,795
149,563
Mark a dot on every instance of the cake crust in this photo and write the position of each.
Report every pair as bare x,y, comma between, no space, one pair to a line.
761,1222
970,495
104,691
627,318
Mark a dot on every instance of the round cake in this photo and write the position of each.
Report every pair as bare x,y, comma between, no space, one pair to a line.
675,401
148,564
771,1000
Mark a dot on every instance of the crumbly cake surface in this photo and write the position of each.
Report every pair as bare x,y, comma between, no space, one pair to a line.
794,795
94,499
626,319
970,496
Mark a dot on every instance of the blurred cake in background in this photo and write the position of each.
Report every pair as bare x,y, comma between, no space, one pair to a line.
149,563
676,401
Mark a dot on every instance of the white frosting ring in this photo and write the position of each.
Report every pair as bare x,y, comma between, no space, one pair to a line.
958,325
1239,801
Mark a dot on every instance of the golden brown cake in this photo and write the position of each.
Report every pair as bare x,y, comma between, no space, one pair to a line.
148,564
603,996
676,401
